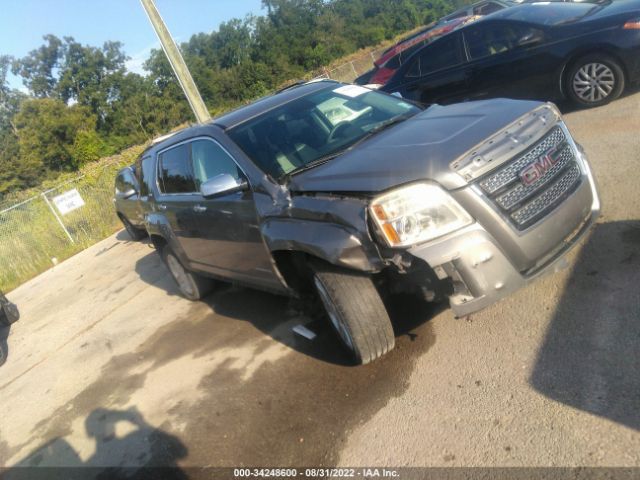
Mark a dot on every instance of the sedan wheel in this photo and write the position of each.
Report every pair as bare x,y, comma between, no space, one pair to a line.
594,82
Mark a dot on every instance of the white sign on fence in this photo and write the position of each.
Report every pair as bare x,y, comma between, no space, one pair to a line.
68,201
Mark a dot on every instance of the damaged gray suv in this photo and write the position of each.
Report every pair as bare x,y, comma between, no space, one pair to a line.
353,194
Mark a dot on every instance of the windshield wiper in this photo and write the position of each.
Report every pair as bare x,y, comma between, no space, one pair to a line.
313,164
382,126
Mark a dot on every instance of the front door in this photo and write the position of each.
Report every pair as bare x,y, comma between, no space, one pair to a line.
223,233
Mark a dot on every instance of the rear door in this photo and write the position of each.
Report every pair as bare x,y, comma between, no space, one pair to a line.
509,59
177,193
436,73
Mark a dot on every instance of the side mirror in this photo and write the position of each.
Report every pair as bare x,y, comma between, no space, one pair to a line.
221,185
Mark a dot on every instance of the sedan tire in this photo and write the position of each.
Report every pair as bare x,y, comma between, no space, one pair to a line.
594,80
356,312
192,286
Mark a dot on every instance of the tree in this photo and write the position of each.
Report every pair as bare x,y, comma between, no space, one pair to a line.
47,131
37,69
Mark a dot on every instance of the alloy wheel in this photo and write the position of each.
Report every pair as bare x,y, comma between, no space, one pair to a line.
594,82
180,275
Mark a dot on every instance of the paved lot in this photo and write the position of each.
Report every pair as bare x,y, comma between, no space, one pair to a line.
110,366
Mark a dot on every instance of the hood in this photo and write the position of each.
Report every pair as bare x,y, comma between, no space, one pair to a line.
420,148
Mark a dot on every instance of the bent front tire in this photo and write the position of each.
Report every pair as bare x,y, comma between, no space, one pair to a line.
191,285
356,312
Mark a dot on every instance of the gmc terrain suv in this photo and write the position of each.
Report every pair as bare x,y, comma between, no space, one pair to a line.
354,193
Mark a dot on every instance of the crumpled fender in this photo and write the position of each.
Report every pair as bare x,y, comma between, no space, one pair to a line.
331,242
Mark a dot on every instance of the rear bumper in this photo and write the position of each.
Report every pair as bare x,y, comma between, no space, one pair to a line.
481,270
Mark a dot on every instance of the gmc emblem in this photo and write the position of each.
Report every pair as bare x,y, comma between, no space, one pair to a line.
537,169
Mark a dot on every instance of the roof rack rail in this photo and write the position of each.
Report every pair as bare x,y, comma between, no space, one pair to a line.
292,85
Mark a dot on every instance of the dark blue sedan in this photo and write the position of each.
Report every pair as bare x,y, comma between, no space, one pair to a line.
585,52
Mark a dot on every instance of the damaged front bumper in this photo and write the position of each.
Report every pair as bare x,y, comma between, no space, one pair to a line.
483,272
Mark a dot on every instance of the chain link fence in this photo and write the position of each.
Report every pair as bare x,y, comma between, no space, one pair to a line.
47,228
348,72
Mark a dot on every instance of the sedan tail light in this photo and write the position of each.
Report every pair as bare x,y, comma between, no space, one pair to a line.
632,24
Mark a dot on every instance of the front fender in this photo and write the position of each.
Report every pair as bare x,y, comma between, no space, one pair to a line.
331,242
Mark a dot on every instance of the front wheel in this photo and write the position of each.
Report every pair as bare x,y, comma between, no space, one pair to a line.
594,80
191,285
356,312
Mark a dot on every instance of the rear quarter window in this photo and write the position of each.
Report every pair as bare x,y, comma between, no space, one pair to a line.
440,55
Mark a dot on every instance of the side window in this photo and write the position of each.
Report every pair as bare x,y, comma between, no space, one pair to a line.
209,160
491,39
144,169
174,170
443,53
120,184
487,8
125,181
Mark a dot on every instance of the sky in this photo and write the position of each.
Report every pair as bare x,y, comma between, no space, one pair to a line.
92,22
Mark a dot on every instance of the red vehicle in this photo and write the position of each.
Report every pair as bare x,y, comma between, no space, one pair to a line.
390,61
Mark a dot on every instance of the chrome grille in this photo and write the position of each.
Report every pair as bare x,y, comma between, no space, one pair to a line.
504,176
524,214
523,203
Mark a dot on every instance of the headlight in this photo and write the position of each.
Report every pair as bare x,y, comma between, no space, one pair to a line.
417,213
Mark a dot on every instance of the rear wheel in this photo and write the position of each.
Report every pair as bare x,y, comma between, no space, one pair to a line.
594,80
356,312
135,233
191,285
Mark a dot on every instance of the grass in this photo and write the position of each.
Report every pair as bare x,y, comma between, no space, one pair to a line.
32,240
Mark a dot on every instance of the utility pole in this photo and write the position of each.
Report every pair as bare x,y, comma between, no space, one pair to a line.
177,62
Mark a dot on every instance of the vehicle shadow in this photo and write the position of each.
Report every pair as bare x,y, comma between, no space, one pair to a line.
144,452
276,315
590,357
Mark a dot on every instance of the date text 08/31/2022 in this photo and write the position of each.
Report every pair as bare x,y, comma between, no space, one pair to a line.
315,473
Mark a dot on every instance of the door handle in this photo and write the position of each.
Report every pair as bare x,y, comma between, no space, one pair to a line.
199,208
162,207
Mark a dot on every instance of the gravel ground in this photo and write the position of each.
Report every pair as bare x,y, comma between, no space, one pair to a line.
109,366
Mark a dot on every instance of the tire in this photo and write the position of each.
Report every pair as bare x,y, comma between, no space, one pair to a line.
136,234
3,356
191,285
355,311
594,80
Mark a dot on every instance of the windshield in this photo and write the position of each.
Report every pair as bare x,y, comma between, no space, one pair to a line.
316,127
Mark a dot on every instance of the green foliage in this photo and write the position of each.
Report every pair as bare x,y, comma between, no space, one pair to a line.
88,147
47,130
